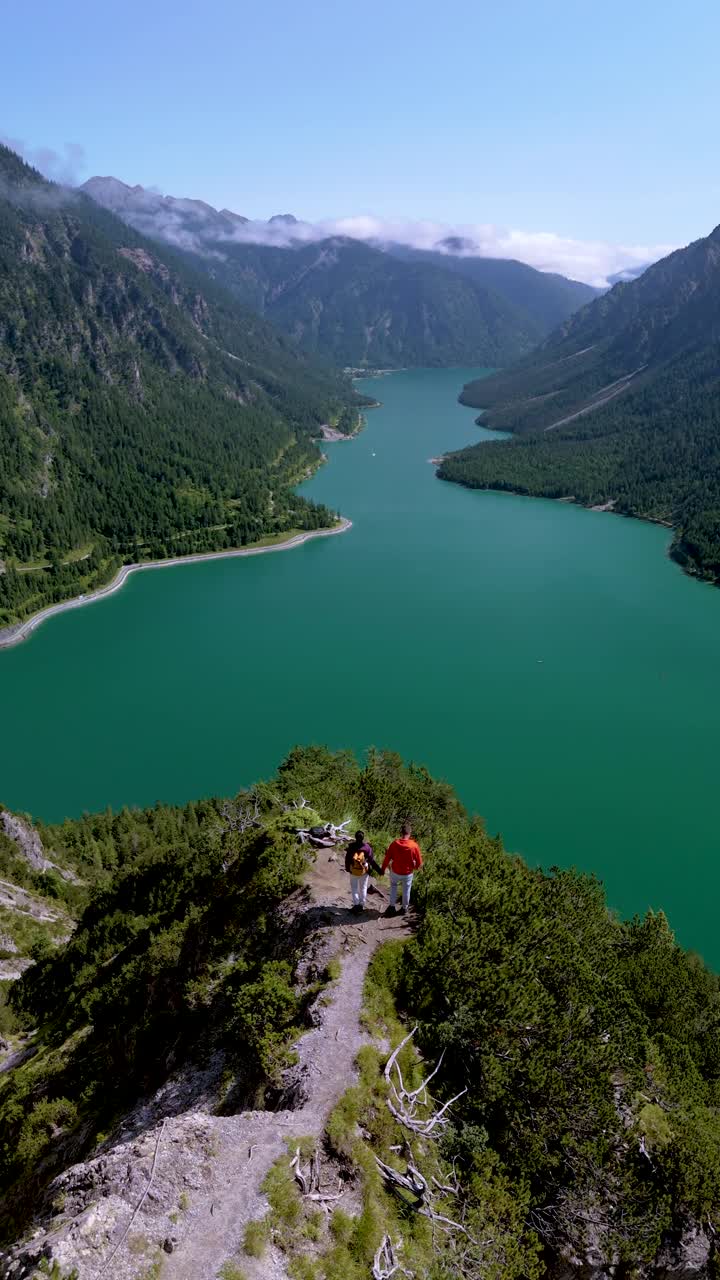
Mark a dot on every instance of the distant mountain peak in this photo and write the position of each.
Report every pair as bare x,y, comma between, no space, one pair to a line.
287,218
233,217
457,244
627,274
108,190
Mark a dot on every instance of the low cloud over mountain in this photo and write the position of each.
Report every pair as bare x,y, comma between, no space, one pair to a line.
192,223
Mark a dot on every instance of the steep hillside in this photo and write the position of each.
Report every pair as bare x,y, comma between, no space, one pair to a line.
39,896
142,411
572,1120
357,306
545,296
620,407
352,302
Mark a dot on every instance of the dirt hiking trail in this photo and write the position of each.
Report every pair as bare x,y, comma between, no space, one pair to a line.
178,1194
216,1221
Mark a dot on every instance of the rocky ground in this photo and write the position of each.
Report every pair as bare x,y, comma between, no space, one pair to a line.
172,1194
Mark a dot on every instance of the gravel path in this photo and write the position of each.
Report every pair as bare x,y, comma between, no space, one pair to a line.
182,1189
15,634
215,1225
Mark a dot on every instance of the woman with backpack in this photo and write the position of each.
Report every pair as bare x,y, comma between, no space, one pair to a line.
359,862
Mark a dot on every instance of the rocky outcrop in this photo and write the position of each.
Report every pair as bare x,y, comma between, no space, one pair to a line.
26,838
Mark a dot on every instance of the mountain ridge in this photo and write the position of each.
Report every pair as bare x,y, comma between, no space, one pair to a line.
356,303
143,412
618,407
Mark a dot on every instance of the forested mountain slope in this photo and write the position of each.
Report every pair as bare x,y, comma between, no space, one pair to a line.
545,296
581,1053
357,306
354,303
143,412
620,406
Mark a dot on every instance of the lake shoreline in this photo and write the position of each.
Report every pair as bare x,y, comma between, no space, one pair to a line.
20,631
605,508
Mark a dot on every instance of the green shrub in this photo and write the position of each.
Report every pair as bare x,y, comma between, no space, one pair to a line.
303,1268
255,1237
342,1123
341,1227
231,1271
44,1125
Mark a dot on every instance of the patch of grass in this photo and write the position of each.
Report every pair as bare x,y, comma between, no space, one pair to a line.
286,1207
25,930
304,1268
341,1227
154,1271
256,1237
342,1123
306,1146
654,1124
333,969
231,1271
55,1272
184,1201
312,1227
382,982
138,1244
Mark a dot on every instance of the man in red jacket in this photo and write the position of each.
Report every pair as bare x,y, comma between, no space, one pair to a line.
403,857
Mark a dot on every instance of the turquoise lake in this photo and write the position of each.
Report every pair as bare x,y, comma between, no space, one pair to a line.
550,662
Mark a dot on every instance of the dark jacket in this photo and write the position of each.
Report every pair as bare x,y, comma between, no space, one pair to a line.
366,848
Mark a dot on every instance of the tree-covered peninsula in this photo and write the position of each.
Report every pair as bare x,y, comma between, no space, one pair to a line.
578,1054
143,412
619,407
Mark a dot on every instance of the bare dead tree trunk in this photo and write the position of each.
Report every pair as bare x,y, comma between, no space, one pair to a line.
385,1264
403,1103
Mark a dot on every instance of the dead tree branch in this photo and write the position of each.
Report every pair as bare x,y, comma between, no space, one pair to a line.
414,1182
309,1180
385,1264
300,803
333,834
404,1103
239,817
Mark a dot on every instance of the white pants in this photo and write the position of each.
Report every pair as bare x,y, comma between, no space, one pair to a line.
400,882
358,885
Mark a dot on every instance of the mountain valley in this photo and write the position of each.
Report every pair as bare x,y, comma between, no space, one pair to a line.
354,303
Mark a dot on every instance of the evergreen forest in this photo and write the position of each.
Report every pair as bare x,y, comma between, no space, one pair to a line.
619,407
143,412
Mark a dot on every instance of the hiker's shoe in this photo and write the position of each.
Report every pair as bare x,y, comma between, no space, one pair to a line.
356,909
402,911
391,911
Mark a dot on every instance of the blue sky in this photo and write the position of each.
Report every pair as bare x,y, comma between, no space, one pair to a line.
591,121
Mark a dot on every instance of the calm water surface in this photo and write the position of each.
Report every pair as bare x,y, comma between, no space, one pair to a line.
551,663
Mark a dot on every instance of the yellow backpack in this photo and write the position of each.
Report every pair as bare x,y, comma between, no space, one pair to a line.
358,864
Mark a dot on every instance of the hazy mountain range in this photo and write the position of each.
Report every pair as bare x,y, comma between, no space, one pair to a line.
357,303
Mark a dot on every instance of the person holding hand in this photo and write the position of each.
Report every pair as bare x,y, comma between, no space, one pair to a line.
404,858
359,862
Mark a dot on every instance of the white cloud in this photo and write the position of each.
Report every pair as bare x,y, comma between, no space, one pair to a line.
190,224
63,168
589,260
